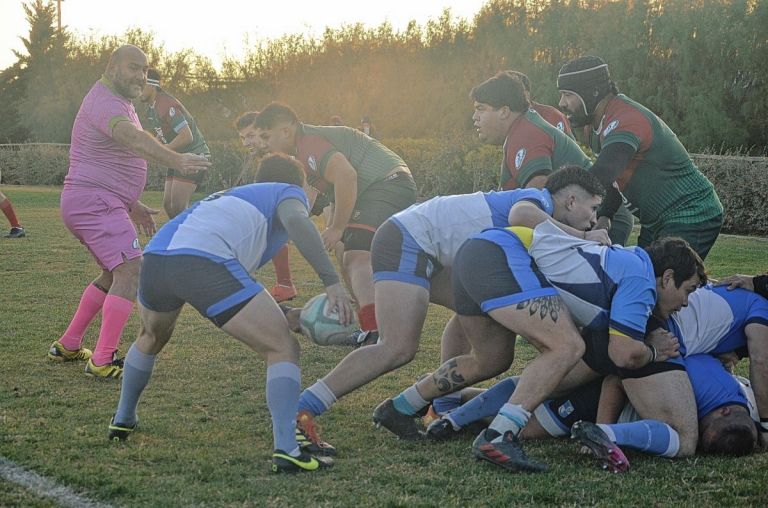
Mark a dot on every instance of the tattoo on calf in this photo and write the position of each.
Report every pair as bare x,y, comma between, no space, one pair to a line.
543,306
447,379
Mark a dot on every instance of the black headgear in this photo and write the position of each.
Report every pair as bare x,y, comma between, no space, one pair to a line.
587,77
153,77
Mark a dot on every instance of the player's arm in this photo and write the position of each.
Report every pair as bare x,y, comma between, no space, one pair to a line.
537,182
183,138
343,176
611,163
757,284
528,214
295,218
147,147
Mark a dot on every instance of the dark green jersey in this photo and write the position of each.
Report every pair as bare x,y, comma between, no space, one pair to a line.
661,182
370,159
167,116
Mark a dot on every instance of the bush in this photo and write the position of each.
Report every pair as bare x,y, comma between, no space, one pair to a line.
440,167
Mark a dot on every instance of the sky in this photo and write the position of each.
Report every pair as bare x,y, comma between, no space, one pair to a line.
221,28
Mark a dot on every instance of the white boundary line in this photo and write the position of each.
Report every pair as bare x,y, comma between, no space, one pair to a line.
43,487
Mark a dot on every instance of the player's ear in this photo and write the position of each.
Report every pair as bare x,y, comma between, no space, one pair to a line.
668,277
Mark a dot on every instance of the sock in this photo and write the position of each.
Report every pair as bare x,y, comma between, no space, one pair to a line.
511,417
650,436
115,314
137,370
316,399
446,403
367,318
282,267
409,402
90,304
484,405
283,387
10,213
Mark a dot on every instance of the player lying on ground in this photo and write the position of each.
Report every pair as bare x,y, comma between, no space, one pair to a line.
203,257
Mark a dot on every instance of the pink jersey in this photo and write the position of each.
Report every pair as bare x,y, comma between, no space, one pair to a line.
97,161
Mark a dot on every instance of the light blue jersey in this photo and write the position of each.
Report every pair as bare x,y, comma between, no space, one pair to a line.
239,223
714,387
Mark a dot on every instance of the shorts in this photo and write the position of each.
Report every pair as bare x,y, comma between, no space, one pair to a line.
395,255
100,221
217,289
557,416
495,270
195,178
596,357
701,236
380,201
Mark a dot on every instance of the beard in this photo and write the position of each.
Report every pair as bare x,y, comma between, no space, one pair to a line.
130,88
578,119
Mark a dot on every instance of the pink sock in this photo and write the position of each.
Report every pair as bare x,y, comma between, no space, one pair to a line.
90,305
115,315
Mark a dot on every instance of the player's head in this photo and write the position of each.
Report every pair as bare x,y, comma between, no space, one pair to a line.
277,124
337,121
282,169
524,79
152,87
583,83
249,134
498,102
728,430
577,194
679,272
127,70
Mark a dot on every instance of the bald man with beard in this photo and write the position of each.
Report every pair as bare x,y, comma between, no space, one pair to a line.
100,204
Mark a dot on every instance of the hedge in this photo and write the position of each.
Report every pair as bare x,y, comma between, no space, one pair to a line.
440,167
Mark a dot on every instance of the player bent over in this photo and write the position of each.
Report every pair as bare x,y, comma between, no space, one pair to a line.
203,257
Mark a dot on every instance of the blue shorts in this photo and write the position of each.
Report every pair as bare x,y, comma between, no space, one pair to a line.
217,289
395,255
494,270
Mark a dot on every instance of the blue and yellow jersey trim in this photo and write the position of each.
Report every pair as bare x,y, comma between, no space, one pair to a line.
523,233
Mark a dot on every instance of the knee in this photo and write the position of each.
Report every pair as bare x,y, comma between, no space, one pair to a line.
397,355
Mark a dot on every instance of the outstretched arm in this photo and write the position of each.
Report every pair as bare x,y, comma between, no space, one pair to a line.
147,147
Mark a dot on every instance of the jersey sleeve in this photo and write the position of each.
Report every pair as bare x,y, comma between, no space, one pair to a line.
108,113
631,306
530,154
627,125
294,192
540,198
172,113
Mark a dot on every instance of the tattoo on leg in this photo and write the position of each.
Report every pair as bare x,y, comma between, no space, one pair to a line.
447,379
545,306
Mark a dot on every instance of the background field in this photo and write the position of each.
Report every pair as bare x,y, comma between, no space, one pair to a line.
205,437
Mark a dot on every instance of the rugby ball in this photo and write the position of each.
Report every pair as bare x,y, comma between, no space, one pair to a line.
321,324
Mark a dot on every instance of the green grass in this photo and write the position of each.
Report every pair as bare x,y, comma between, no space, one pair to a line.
205,434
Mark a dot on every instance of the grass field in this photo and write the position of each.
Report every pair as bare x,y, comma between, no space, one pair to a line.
205,437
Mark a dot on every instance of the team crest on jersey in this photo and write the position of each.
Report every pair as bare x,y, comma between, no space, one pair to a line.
610,127
565,409
520,157
172,111
312,163
135,243
560,126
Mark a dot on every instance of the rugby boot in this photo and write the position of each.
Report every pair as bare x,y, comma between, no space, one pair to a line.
601,446
16,233
308,436
112,370
402,425
304,463
506,452
58,353
119,432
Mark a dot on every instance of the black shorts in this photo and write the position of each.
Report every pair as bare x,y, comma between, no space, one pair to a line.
218,290
395,255
380,201
557,416
195,178
596,357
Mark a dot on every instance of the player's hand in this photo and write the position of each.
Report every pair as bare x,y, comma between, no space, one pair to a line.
729,360
603,223
339,299
190,163
666,344
141,214
331,237
737,281
598,235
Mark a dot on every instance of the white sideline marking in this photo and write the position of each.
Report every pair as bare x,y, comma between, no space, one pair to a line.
44,487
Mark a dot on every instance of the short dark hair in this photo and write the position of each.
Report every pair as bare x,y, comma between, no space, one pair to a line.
246,120
735,438
574,175
526,82
280,168
274,113
675,253
503,89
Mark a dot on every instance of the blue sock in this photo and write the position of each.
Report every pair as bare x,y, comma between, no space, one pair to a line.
649,436
446,403
484,405
137,370
316,399
283,387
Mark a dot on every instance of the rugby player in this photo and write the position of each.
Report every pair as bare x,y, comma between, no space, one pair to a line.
203,257
17,230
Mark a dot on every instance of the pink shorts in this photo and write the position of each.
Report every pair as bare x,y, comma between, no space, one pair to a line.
101,222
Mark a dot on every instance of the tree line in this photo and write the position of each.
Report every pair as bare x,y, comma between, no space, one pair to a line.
699,64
